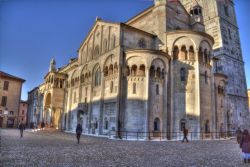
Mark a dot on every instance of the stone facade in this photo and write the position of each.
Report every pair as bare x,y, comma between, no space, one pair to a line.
10,94
220,22
156,73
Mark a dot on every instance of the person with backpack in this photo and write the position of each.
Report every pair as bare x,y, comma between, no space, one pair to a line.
78,132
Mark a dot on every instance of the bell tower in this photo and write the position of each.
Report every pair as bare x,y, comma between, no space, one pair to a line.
52,66
197,18
221,23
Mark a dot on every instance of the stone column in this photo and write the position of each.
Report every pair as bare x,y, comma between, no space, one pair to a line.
165,90
171,117
147,98
197,93
214,105
101,103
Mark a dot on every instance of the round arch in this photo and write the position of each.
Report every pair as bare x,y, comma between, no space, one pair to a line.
183,40
48,100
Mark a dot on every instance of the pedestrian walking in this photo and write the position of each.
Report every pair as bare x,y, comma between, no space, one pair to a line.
185,133
42,125
21,128
239,135
78,132
245,146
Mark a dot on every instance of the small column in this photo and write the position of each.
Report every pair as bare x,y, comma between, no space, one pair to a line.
147,75
197,94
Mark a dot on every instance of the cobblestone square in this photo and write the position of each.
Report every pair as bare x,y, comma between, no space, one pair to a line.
54,149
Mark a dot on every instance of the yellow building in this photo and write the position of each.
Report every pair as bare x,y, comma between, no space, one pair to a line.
10,94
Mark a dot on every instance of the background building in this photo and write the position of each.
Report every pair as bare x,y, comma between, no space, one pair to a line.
35,107
22,115
10,94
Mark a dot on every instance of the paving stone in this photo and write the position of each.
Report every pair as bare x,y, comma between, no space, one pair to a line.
58,149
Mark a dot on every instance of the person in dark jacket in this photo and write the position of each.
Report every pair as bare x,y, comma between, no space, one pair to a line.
185,133
42,125
245,146
21,128
78,132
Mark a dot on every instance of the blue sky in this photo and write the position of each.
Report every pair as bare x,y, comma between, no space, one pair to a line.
32,32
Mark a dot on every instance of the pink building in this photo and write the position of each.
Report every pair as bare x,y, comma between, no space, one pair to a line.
22,114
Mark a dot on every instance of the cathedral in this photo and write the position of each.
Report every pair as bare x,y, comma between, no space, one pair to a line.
176,64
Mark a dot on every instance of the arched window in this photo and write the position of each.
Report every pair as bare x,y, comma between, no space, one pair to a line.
219,89
105,71
127,71
157,124
226,10
208,58
61,84
176,53
157,89
82,78
163,74
113,41
105,45
86,76
115,68
183,53
158,72
111,86
191,54
205,56
52,79
183,74
98,77
200,55
142,70
111,69
106,123
134,88
229,33
97,52
152,71
182,124
206,77
90,53
142,43
134,70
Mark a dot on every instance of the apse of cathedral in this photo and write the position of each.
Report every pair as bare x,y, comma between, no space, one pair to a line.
176,64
